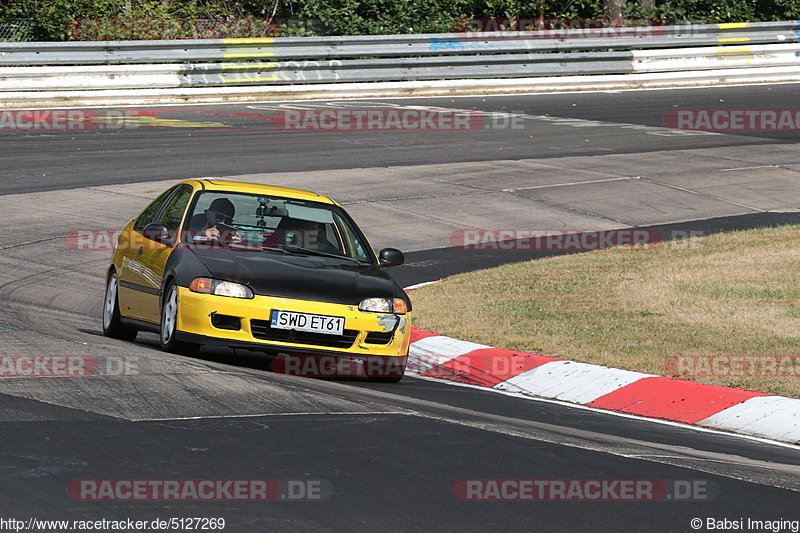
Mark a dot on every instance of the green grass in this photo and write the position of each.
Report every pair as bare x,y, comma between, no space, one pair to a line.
728,294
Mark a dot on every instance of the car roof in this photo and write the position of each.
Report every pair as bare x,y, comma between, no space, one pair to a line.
214,184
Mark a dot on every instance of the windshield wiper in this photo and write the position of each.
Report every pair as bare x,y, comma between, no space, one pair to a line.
274,249
300,250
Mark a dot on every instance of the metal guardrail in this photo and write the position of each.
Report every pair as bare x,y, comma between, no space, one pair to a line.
273,61
317,48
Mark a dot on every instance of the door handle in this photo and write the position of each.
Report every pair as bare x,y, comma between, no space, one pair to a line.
141,249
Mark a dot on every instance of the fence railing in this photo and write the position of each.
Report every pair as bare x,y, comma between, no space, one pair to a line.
43,66
16,30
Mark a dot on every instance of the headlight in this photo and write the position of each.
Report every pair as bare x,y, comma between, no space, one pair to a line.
220,288
383,305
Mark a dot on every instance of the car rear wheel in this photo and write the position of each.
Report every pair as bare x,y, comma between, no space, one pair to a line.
169,320
112,325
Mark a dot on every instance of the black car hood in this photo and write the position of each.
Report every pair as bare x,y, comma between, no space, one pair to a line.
302,277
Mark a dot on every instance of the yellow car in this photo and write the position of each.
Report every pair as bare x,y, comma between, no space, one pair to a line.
283,271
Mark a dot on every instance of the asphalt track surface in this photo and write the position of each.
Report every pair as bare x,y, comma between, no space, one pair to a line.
388,456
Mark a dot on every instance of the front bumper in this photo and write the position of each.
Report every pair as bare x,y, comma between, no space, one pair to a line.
365,333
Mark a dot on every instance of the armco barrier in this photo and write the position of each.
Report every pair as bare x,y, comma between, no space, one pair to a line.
323,48
244,68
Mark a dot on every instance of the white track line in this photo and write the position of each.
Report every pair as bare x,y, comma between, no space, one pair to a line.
423,284
615,413
568,184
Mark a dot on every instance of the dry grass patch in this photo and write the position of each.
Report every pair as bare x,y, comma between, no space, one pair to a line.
727,294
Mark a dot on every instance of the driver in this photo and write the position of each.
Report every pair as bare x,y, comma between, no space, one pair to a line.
221,211
310,234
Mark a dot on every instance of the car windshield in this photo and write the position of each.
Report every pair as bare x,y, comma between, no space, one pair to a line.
274,223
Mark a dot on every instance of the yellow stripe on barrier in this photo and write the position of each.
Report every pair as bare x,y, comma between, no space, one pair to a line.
245,40
734,51
239,80
732,25
739,40
251,65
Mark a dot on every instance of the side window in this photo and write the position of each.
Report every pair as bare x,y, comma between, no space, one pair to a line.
151,211
173,212
331,236
353,242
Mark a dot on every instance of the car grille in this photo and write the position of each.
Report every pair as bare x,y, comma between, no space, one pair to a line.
261,329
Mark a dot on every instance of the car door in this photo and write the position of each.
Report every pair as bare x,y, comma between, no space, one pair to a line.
155,255
135,283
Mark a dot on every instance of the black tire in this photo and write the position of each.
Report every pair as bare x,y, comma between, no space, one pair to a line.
112,325
167,331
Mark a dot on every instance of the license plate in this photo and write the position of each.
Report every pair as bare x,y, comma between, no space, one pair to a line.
331,325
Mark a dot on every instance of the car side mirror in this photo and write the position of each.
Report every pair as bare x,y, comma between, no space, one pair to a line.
390,257
157,232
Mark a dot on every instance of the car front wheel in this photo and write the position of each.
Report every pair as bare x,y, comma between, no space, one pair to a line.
169,319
